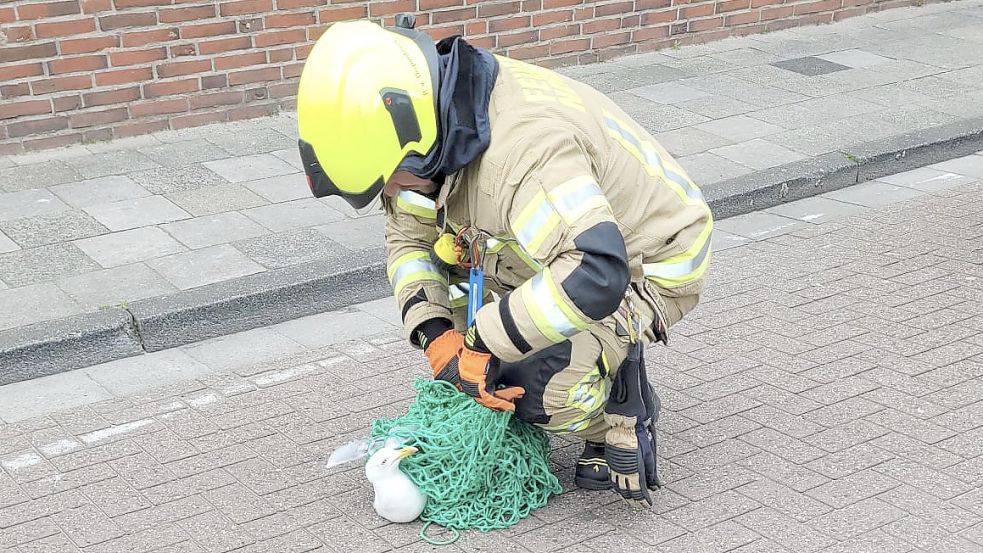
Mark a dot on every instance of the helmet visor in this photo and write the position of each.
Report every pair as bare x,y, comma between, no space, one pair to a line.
322,186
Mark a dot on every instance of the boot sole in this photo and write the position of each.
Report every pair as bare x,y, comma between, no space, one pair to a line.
589,484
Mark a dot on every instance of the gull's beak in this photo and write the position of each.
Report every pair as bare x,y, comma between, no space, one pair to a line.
406,452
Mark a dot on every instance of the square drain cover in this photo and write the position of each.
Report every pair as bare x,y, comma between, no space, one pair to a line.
810,66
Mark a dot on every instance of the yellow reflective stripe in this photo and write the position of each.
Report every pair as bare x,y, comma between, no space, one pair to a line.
416,204
524,255
645,153
686,266
552,316
413,267
577,196
535,222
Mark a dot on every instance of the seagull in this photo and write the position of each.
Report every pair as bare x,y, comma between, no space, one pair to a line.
397,499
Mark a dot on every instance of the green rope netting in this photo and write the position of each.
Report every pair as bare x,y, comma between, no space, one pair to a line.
479,468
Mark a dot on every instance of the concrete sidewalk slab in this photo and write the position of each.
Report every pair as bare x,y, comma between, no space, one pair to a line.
758,121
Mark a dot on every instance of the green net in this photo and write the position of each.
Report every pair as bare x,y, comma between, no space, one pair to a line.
479,468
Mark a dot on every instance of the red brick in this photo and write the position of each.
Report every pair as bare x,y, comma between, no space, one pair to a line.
613,39
776,13
652,4
601,25
283,90
529,52
58,84
14,90
92,118
76,65
96,6
489,42
252,112
759,3
67,103
630,21
97,135
49,142
18,34
282,55
699,10
88,45
570,45
388,8
140,127
121,5
159,107
280,21
109,97
10,149
124,76
7,15
303,51
678,29
742,18
216,99
170,88
428,5
609,54
444,31
181,50
136,57
448,16
294,4
532,5
198,119
208,29
550,4
583,14
650,33
819,6
177,15
214,81
224,45
733,5
522,37
659,17
119,21
815,18
509,23
240,60
11,72
747,29
780,24
178,68
559,16
476,28
9,110
330,15
550,33
489,9
142,38
244,7
29,12
38,126
705,24
275,38
852,3
292,70
619,8
32,52
254,76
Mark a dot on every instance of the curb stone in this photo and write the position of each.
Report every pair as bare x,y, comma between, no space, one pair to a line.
267,298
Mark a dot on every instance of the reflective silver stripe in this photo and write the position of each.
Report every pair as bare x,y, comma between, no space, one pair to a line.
458,291
415,266
680,269
535,225
543,296
652,158
573,198
417,204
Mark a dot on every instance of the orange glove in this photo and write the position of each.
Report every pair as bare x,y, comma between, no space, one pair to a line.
442,355
478,378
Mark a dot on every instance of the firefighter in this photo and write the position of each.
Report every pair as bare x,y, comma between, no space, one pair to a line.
588,238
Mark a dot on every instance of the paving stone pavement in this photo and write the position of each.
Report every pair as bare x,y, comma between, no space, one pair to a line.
79,223
826,396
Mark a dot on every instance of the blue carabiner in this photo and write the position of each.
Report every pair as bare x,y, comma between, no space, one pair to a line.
476,292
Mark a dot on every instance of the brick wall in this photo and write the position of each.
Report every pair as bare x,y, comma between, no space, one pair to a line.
86,70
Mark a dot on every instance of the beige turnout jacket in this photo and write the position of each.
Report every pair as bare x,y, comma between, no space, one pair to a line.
574,200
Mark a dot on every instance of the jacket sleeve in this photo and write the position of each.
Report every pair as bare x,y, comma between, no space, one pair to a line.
561,218
419,286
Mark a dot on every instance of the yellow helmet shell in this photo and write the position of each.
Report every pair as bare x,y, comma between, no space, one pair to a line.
366,99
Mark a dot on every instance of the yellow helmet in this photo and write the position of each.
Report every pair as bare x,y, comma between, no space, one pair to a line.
366,100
